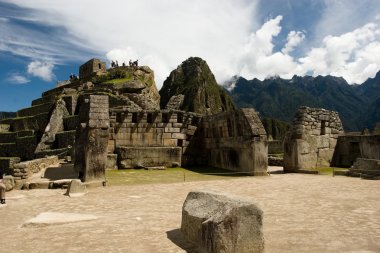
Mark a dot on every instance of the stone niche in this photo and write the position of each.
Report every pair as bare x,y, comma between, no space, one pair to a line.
311,140
92,67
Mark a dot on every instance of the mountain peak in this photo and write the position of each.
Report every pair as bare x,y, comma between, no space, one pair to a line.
194,79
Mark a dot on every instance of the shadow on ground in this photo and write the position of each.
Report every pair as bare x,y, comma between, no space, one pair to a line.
66,171
178,239
207,170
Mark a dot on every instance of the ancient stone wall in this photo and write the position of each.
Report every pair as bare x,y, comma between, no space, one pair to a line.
233,140
350,147
24,170
92,136
143,131
312,138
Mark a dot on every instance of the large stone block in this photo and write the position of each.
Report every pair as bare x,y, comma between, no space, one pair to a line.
132,157
220,223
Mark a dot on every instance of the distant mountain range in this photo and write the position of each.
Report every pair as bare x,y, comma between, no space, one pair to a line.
358,105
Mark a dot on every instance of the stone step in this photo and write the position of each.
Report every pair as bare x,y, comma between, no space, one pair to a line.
61,153
8,150
36,122
7,137
34,110
71,123
58,90
65,139
6,164
43,100
4,128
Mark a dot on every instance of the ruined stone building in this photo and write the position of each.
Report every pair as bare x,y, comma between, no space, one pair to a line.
316,139
311,141
113,119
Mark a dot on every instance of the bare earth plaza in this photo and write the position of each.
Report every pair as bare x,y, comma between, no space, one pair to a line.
106,163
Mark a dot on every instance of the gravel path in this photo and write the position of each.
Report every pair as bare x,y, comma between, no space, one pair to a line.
302,213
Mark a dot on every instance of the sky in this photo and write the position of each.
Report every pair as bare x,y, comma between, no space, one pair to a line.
44,41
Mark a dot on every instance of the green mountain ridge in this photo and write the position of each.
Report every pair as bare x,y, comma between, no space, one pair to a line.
358,105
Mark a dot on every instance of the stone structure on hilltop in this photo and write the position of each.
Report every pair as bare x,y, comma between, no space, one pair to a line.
93,66
113,117
311,141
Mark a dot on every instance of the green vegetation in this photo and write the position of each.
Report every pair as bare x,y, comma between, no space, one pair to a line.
170,175
358,105
194,79
118,81
276,128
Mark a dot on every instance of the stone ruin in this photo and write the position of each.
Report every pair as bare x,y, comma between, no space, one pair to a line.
311,141
112,119
316,139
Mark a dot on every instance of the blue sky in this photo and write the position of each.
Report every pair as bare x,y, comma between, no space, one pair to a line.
44,41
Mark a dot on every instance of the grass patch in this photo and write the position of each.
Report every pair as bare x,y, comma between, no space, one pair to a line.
170,175
118,81
329,170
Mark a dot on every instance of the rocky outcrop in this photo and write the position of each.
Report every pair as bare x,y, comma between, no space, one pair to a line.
219,223
194,79
54,126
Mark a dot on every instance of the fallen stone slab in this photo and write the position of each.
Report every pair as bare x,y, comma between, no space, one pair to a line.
53,218
217,222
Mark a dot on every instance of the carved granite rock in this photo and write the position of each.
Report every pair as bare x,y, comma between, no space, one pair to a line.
221,223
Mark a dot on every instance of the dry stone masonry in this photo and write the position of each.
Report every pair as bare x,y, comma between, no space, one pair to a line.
92,138
234,140
111,118
311,141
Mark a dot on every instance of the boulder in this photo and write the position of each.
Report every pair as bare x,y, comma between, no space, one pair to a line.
217,222
9,182
76,188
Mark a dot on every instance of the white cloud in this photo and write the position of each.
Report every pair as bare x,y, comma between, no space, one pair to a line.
43,70
226,33
293,40
17,78
161,33
354,55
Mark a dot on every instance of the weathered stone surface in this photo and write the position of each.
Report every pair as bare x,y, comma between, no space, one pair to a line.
221,223
9,182
175,102
311,140
54,126
92,138
234,140
140,157
76,188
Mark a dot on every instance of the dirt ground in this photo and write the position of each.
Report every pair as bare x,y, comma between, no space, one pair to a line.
302,213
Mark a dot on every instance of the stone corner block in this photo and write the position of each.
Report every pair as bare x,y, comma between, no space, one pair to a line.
216,222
